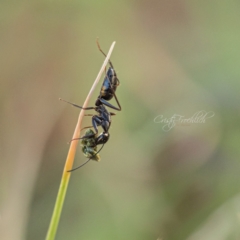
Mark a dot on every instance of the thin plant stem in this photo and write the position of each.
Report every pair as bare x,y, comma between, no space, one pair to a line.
70,157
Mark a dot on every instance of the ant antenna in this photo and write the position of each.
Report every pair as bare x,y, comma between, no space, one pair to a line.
92,135
75,105
85,162
103,53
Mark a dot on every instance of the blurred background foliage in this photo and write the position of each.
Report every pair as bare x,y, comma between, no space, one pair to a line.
172,57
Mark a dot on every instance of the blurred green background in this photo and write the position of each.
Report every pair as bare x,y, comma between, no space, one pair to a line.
172,57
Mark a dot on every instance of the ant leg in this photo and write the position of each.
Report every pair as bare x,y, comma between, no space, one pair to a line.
96,121
112,114
120,108
79,166
118,82
103,101
105,126
110,63
75,105
113,92
86,127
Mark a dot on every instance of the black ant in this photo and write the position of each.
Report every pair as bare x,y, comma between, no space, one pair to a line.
103,118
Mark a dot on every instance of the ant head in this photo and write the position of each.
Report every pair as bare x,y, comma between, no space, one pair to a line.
102,138
106,136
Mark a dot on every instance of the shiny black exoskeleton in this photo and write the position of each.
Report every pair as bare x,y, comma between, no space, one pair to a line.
103,119
109,86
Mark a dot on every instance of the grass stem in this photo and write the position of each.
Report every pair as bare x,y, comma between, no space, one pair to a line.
70,157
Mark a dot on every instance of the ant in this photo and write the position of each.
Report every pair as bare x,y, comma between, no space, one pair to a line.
103,118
